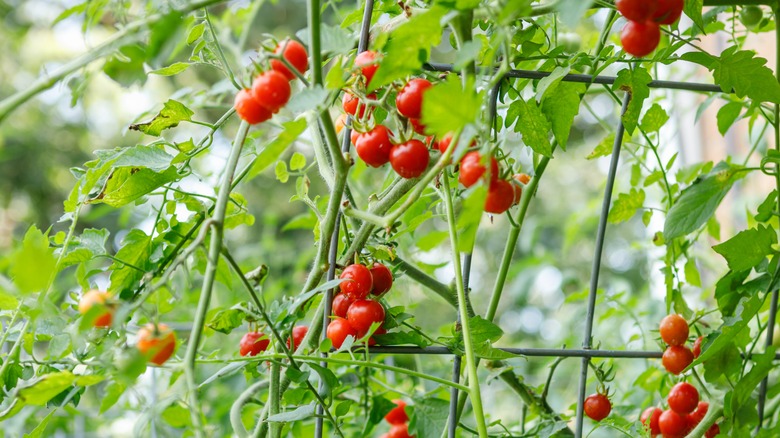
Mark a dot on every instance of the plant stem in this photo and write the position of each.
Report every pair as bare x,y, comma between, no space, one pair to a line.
471,365
210,274
714,412
273,399
235,410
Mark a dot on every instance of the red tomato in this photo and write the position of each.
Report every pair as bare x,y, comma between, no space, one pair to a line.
668,11
271,90
298,333
398,414
417,126
374,146
683,398
696,416
157,343
362,313
379,331
672,424
636,10
443,144
409,99
340,305
368,63
358,281
640,38
249,110
253,343
350,103
697,347
677,358
650,418
712,432
399,431
99,298
472,169
518,190
524,178
295,54
500,197
338,330
354,136
410,159
597,406
383,279
674,330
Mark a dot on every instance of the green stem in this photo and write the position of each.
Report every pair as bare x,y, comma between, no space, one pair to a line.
210,275
471,365
426,280
714,412
273,398
235,410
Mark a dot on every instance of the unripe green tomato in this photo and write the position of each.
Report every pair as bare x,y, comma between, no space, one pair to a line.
751,16
571,42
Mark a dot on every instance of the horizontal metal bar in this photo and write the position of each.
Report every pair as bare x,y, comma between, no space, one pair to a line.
590,79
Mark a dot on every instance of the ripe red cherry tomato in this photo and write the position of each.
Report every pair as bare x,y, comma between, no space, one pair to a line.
374,146
650,418
697,347
362,313
409,99
640,38
357,281
354,136
672,424
518,189
443,144
674,330
338,330
472,169
636,10
271,90
253,343
350,103
696,416
500,197
398,414
597,406
249,110
295,54
367,62
410,159
399,431
298,333
668,11
683,398
677,358
98,298
383,279
157,343
712,432
417,126
340,305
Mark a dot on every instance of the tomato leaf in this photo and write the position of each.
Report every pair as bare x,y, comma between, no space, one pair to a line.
531,124
560,105
626,206
126,184
429,417
741,71
727,115
46,388
226,320
636,82
693,10
301,413
134,254
170,116
654,119
748,248
32,265
731,327
448,107
290,132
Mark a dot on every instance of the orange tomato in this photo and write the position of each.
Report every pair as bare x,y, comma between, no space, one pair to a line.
100,298
156,343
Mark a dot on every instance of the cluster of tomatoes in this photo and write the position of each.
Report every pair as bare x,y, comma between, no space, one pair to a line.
685,411
356,307
156,342
271,89
410,156
642,33
399,421
255,342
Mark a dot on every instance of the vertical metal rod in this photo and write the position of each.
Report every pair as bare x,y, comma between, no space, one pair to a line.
594,275
334,241
452,419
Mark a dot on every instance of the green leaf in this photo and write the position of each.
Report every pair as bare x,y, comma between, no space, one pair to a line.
170,116
560,105
380,407
532,124
692,273
727,115
473,206
655,118
626,205
743,72
636,82
126,67
32,265
448,107
334,39
196,32
290,132
693,10
41,427
177,416
762,365
748,248
313,98
46,388
572,11
298,161
111,395
604,149
280,170
698,202
172,69
409,46
126,184
550,81
7,301
301,413
91,243
732,326
135,253
327,378
766,209
429,417
226,320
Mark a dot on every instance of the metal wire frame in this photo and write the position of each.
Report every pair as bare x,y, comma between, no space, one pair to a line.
585,353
